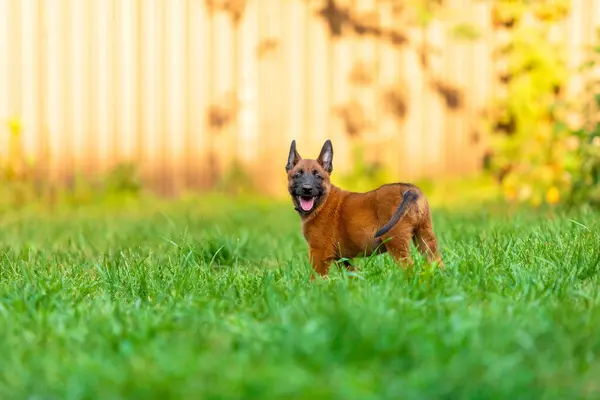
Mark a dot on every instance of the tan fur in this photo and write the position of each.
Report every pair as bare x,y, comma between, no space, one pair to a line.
343,224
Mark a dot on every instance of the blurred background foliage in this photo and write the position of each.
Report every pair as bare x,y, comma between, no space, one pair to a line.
543,147
22,182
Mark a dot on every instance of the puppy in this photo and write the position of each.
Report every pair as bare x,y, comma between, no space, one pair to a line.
340,224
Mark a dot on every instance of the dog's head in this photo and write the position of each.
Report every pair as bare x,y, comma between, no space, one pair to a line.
308,180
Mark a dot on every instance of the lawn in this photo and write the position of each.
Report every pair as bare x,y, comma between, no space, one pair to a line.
211,298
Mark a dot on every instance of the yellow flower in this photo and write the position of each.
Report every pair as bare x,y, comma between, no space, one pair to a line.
525,193
553,195
546,173
572,143
510,192
556,168
14,125
540,137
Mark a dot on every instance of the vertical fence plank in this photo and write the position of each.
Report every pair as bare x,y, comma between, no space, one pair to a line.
268,53
453,74
99,124
434,140
481,83
278,141
318,64
105,83
15,66
200,92
249,53
595,14
127,67
188,136
75,84
51,115
295,60
66,150
175,92
4,78
341,67
365,68
412,74
223,101
88,156
393,97
151,88
29,78
14,86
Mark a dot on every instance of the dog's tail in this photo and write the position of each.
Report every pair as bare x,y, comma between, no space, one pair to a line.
409,198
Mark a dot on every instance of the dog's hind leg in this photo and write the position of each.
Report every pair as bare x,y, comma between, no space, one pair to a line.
398,246
426,242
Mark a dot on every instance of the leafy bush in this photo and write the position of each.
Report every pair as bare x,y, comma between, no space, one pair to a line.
123,179
364,175
16,171
21,184
236,181
540,155
585,140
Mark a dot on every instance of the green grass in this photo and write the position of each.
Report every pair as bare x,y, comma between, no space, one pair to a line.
211,299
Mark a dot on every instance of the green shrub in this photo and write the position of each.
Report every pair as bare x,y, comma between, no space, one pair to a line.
539,155
123,179
585,140
364,175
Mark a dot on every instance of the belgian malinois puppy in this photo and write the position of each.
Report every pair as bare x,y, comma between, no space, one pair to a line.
340,224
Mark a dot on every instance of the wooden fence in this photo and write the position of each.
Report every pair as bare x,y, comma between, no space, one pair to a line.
185,88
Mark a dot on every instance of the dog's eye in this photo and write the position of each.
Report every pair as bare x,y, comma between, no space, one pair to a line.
298,174
316,173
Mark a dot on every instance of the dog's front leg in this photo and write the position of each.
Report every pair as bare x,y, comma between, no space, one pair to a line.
321,261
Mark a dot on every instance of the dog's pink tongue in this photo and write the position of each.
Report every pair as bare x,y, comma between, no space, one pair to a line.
307,204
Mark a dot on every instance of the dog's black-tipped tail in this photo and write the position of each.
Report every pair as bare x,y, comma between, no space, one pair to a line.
409,198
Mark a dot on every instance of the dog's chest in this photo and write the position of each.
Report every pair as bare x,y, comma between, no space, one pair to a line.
315,232
319,234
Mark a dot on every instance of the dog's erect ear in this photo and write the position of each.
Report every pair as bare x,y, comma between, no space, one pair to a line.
326,156
293,157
